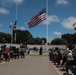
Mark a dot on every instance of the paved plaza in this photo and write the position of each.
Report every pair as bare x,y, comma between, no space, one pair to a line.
30,65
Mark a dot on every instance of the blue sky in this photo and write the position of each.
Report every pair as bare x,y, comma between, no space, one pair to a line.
61,16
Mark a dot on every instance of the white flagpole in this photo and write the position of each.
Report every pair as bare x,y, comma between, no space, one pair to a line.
11,37
16,19
16,10
13,24
12,33
47,23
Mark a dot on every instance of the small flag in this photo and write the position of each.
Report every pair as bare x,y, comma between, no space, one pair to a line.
11,25
38,18
15,23
74,25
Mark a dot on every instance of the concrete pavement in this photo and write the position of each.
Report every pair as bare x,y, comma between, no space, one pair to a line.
30,65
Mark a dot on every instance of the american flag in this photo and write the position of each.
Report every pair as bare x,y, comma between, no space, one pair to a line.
38,18
74,25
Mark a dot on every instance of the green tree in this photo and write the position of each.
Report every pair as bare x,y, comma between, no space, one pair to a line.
58,41
70,38
43,40
5,38
39,41
22,36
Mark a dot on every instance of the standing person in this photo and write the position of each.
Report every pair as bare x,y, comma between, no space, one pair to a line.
59,58
5,53
40,51
11,54
22,54
0,54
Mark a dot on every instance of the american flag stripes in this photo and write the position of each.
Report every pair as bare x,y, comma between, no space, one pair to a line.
74,25
38,18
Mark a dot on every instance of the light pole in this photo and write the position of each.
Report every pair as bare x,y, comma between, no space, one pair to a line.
13,26
15,37
3,39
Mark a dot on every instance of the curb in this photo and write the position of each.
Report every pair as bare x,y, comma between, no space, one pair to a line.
58,71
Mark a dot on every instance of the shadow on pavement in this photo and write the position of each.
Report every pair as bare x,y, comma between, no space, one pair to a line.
66,74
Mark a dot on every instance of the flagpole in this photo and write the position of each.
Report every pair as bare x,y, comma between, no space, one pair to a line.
16,10
11,33
47,23
12,36
13,25
16,20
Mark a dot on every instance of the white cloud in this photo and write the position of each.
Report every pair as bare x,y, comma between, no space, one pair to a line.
51,19
57,33
4,11
17,1
22,28
63,2
0,25
9,2
67,23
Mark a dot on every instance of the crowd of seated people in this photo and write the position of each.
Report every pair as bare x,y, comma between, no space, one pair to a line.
65,59
11,53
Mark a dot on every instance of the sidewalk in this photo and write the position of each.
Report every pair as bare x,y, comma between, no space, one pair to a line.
30,65
35,53
34,57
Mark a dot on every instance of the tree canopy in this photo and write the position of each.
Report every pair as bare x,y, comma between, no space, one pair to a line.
58,41
26,37
20,36
5,37
71,39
